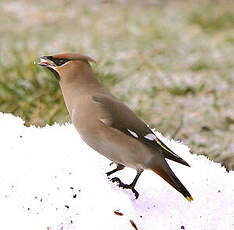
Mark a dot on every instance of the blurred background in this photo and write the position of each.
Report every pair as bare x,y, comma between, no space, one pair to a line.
172,62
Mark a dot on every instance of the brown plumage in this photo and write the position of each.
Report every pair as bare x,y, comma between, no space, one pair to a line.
109,126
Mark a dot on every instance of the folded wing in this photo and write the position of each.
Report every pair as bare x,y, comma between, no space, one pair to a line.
120,117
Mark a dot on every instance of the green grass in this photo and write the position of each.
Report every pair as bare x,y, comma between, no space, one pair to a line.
169,62
211,18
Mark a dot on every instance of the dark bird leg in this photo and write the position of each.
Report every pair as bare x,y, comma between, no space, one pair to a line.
118,168
129,186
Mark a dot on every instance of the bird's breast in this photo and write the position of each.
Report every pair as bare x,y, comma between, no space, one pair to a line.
92,125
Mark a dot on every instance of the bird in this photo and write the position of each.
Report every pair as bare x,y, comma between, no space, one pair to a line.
109,126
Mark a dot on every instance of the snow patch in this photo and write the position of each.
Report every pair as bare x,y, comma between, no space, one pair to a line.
51,180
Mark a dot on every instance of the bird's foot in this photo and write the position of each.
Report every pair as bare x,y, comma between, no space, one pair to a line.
125,186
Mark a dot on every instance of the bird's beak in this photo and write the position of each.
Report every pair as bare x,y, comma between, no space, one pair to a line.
45,62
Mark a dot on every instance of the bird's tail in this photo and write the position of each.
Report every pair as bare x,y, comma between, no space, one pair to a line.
167,174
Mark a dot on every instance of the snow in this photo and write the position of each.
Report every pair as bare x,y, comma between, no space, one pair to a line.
51,180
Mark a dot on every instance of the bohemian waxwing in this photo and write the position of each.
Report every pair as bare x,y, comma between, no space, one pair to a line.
109,126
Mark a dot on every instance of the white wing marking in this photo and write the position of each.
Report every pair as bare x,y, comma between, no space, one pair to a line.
150,136
133,133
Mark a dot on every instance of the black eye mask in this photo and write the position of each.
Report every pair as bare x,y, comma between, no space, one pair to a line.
58,61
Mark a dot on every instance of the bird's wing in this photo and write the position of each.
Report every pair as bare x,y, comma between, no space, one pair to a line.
119,116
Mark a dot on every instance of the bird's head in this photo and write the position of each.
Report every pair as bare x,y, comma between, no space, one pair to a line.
59,64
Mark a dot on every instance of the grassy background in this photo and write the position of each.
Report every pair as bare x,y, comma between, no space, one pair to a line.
172,62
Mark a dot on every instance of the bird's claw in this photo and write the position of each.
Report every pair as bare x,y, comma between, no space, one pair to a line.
125,186
135,193
116,179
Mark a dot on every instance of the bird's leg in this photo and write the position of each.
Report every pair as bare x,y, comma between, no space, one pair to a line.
129,186
118,168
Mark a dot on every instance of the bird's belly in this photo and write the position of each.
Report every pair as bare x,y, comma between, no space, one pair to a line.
118,147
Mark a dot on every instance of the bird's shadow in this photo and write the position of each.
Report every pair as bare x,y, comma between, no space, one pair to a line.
147,202
152,200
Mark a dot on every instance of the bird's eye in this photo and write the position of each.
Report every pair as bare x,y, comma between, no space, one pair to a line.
57,61
60,61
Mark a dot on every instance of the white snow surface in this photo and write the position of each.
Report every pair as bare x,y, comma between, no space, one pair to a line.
51,180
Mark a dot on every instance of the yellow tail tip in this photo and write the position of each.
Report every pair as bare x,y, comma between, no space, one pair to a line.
189,198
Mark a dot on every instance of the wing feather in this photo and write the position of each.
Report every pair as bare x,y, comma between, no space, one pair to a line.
120,117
